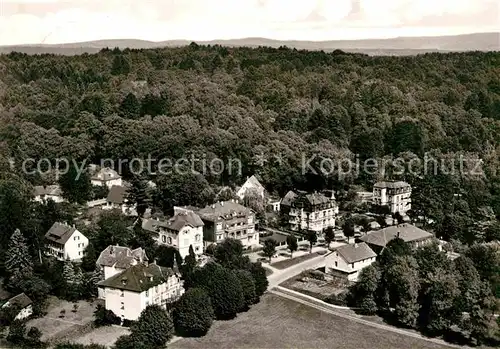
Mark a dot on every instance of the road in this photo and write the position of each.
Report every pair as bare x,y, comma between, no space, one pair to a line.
278,276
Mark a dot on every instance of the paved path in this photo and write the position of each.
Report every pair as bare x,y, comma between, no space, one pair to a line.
330,310
278,276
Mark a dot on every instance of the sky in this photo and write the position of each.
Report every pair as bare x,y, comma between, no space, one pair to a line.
65,21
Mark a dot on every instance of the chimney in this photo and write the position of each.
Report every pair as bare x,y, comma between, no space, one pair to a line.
356,245
222,203
111,250
124,281
213,205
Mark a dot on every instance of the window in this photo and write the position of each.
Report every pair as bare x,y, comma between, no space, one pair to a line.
352,265
123,306
79,253
147,293
169,240
197,237
197,248
163,238
122,294
336,264
156,289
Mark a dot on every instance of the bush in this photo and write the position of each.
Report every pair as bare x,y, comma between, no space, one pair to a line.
104,317
17,330
339,299
193,314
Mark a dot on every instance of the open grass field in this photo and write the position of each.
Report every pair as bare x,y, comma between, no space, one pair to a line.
281,323
103,335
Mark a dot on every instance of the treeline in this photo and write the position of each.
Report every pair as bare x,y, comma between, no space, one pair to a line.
424,290
241,103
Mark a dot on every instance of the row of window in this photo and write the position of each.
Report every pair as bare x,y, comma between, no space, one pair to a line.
168,239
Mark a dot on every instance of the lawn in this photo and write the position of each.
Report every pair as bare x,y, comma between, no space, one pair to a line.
292,261
103,335
281,323
55,327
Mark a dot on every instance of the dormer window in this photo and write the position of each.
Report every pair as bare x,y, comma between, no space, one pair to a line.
169,240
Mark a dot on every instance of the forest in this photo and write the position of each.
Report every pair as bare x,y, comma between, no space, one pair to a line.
254,104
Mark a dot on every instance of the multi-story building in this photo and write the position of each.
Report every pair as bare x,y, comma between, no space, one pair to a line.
394,194
229,219
182,230
128,293
65,242
314,212
115,259
106,177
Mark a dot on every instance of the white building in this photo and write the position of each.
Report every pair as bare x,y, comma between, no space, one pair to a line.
229,219
117,199
349,260
24,305
395,195
128,293
65,242
313,211
106,177
182,230
48,192
251,183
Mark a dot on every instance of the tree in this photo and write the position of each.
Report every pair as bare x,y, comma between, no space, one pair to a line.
224,289
364,291
18,262
193,314
154,326
166,255
312,237
33,338
37,290
260,278
89,257
113,229
329,236
269,249
137,195
75,185
17,330
120,65
96,277
105,317
292,244
229,252
348,229
188,268
130,107
248,286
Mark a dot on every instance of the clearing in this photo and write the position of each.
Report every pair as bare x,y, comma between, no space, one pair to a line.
278,322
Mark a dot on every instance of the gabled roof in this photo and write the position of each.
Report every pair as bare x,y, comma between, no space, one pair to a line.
391,184
355,252
116,194
121,257
106,174
60,233
223,210
181,219
138,278
52,190
288,198
21,300
254,183
407,233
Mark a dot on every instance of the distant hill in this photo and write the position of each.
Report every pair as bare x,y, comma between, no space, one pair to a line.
394,46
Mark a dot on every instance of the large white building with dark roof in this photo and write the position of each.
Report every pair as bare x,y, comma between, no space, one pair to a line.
115,259
394,194
65,242
129,292
106,177
182,230
43,193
